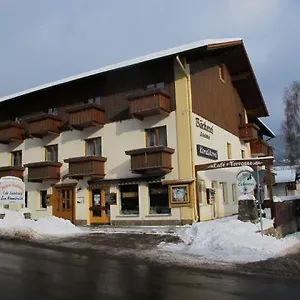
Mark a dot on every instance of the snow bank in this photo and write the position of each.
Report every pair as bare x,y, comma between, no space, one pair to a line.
230,240
286,198
15,225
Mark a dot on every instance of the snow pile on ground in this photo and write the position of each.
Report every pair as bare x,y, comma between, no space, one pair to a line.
230,240
15,225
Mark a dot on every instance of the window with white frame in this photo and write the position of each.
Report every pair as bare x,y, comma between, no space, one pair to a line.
234,192
224,191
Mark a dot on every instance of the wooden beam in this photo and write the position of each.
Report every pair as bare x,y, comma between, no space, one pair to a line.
241,76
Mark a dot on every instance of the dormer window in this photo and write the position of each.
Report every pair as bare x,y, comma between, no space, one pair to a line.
95,100
154,86
52,111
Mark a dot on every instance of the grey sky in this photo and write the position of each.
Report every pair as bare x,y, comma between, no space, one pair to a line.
42,41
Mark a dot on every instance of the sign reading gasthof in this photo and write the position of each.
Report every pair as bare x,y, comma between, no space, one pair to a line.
12,190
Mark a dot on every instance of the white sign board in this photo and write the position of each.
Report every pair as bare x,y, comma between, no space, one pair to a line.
245,182
12,190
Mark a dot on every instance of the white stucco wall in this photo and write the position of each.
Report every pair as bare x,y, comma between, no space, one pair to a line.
117,137
218,141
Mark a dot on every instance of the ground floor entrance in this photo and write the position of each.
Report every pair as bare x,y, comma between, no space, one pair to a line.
63,203
99,209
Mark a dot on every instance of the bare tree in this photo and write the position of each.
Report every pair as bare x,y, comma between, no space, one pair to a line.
291,123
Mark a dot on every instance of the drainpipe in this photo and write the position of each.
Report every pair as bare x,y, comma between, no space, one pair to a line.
196,206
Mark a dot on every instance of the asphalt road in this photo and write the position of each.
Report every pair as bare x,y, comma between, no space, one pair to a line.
33,272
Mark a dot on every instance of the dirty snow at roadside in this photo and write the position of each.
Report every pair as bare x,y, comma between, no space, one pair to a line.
230,240
15,225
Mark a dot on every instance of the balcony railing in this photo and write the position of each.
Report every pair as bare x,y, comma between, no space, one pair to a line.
152,160
11,131
43,125
86,115
12,171
261,148
149,103
92,166
44,170
248,132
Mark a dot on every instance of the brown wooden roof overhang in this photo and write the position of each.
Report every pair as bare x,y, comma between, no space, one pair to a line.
235,57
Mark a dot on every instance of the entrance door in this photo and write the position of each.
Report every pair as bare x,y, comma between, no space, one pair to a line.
63,203
99,207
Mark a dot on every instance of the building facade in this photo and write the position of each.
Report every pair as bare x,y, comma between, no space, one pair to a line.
119,145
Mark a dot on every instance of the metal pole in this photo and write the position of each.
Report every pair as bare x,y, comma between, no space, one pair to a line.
259,200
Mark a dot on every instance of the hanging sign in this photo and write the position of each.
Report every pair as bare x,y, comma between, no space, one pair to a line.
245,182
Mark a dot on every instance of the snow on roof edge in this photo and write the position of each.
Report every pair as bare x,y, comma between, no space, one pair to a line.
267,127
126,63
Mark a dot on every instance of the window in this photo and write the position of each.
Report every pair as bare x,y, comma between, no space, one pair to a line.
94,147
243,153
16,158
129,199
234,193
154,86
201,190
95,100
224,191
229,151
43,199
52,153
156,136
222,73
52,111
159,199
26,199
211,194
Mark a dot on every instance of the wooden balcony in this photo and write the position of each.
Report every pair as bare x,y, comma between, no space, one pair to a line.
260,148
12,171
43,125
151,161
44,170
92,166
11,131
86,115
248,132
149,103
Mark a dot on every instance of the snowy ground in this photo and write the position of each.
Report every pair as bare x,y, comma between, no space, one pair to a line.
219,241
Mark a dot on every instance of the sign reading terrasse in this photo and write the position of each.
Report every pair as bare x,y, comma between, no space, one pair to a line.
234,163
12,190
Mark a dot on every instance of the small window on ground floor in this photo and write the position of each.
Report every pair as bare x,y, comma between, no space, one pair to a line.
234,192
43,199
26,199
224,191
129,199
201,191
159,199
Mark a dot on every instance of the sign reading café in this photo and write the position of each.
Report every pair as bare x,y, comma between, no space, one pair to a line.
234,163
12,190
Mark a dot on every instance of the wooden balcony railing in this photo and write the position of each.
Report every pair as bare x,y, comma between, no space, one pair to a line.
92,166
43,125
11,131
44,170
248,132
152,160
260,148
86,115
149,103
12,171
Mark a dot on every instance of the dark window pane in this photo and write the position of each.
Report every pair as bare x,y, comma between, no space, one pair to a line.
159,199
151,140
162,136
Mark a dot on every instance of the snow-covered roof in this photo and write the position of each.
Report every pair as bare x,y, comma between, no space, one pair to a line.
127,63
267,131
282,176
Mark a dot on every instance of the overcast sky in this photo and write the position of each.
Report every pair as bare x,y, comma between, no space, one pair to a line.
43,41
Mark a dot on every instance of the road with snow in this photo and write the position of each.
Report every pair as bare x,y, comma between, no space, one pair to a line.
35,272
